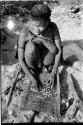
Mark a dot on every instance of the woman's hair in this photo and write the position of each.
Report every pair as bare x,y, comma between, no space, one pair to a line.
41,11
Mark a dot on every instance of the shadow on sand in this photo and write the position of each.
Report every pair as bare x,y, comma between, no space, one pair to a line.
72,51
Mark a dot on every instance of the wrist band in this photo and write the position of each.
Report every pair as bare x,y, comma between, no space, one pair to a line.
20,47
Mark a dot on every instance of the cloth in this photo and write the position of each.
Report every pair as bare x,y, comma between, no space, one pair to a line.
41,101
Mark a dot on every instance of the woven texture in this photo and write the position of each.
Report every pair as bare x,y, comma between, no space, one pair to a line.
41,101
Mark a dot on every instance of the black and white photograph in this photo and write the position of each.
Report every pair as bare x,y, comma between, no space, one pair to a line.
41,61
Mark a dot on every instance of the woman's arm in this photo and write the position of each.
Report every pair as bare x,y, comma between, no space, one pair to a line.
58,45
57,57
50,46
21,46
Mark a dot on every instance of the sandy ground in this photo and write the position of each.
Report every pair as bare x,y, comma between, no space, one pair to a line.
71,30
70,25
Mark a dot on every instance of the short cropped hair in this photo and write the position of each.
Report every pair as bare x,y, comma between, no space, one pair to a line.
41,11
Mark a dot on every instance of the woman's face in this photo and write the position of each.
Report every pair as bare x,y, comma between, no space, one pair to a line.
39,25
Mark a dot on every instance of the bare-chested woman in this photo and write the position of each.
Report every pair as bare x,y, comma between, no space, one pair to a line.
39,44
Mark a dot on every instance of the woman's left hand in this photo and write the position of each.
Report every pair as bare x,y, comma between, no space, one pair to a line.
51,78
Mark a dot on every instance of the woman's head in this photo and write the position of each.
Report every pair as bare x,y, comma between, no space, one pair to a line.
40,16
41,11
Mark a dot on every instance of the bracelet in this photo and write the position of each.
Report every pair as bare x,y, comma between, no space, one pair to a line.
20,47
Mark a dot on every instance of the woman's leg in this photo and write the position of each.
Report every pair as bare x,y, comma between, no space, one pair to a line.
33,60
32,56
48,56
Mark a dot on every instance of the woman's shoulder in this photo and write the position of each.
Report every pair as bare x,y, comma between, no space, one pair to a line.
26,33
54,28
52,25
25,29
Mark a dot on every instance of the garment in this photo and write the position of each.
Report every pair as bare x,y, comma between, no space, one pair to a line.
44,100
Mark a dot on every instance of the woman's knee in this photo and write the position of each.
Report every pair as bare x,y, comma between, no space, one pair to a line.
30,48
53,50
